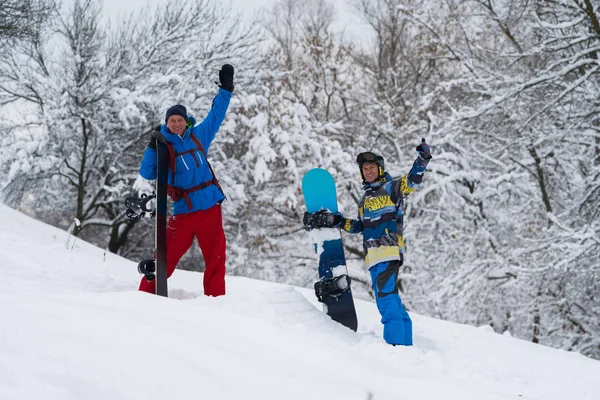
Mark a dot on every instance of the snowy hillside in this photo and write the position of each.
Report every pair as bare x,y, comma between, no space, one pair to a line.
73,326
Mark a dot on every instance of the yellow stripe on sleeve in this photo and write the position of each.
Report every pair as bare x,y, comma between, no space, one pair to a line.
404,188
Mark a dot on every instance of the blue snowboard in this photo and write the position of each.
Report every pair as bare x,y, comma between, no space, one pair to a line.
319,192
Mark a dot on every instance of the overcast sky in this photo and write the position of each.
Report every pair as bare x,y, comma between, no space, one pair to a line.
114,7
345,19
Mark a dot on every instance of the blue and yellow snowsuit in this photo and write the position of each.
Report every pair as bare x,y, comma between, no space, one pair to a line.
380,219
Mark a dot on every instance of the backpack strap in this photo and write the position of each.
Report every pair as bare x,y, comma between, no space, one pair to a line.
177,193
216,182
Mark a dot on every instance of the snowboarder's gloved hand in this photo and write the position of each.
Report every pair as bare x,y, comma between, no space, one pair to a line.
424,150
322,219
152,143
226,77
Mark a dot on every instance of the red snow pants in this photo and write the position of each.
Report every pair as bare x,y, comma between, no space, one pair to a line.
207,227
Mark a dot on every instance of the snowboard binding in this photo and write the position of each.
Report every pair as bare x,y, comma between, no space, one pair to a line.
137,207
332,288
148,269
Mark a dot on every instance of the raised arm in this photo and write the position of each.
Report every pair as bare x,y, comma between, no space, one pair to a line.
208,128
409,182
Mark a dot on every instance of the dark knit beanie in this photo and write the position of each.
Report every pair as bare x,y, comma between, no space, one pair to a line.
177,109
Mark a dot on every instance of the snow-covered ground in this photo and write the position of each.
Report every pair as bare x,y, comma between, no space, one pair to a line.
73,326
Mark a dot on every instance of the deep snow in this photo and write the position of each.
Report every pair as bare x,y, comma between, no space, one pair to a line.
73,326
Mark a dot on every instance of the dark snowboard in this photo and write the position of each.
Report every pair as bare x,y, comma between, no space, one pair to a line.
137,208
333,288
162,173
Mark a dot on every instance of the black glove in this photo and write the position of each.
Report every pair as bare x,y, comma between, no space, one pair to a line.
321,219
226,77
424,150
152,143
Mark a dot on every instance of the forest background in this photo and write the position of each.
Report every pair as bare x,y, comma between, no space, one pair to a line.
504,231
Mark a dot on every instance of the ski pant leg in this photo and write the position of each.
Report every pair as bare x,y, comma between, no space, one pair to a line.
211,239
180,237
397,325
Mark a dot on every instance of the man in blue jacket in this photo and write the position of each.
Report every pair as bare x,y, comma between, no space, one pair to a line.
381,220
193,187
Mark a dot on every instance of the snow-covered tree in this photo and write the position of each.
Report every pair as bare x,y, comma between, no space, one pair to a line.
98,92
19,19
521,131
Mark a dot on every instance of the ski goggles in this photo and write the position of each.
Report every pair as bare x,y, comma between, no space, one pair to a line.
369,157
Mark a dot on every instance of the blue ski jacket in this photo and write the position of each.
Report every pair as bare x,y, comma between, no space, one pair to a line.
192,169
381,215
